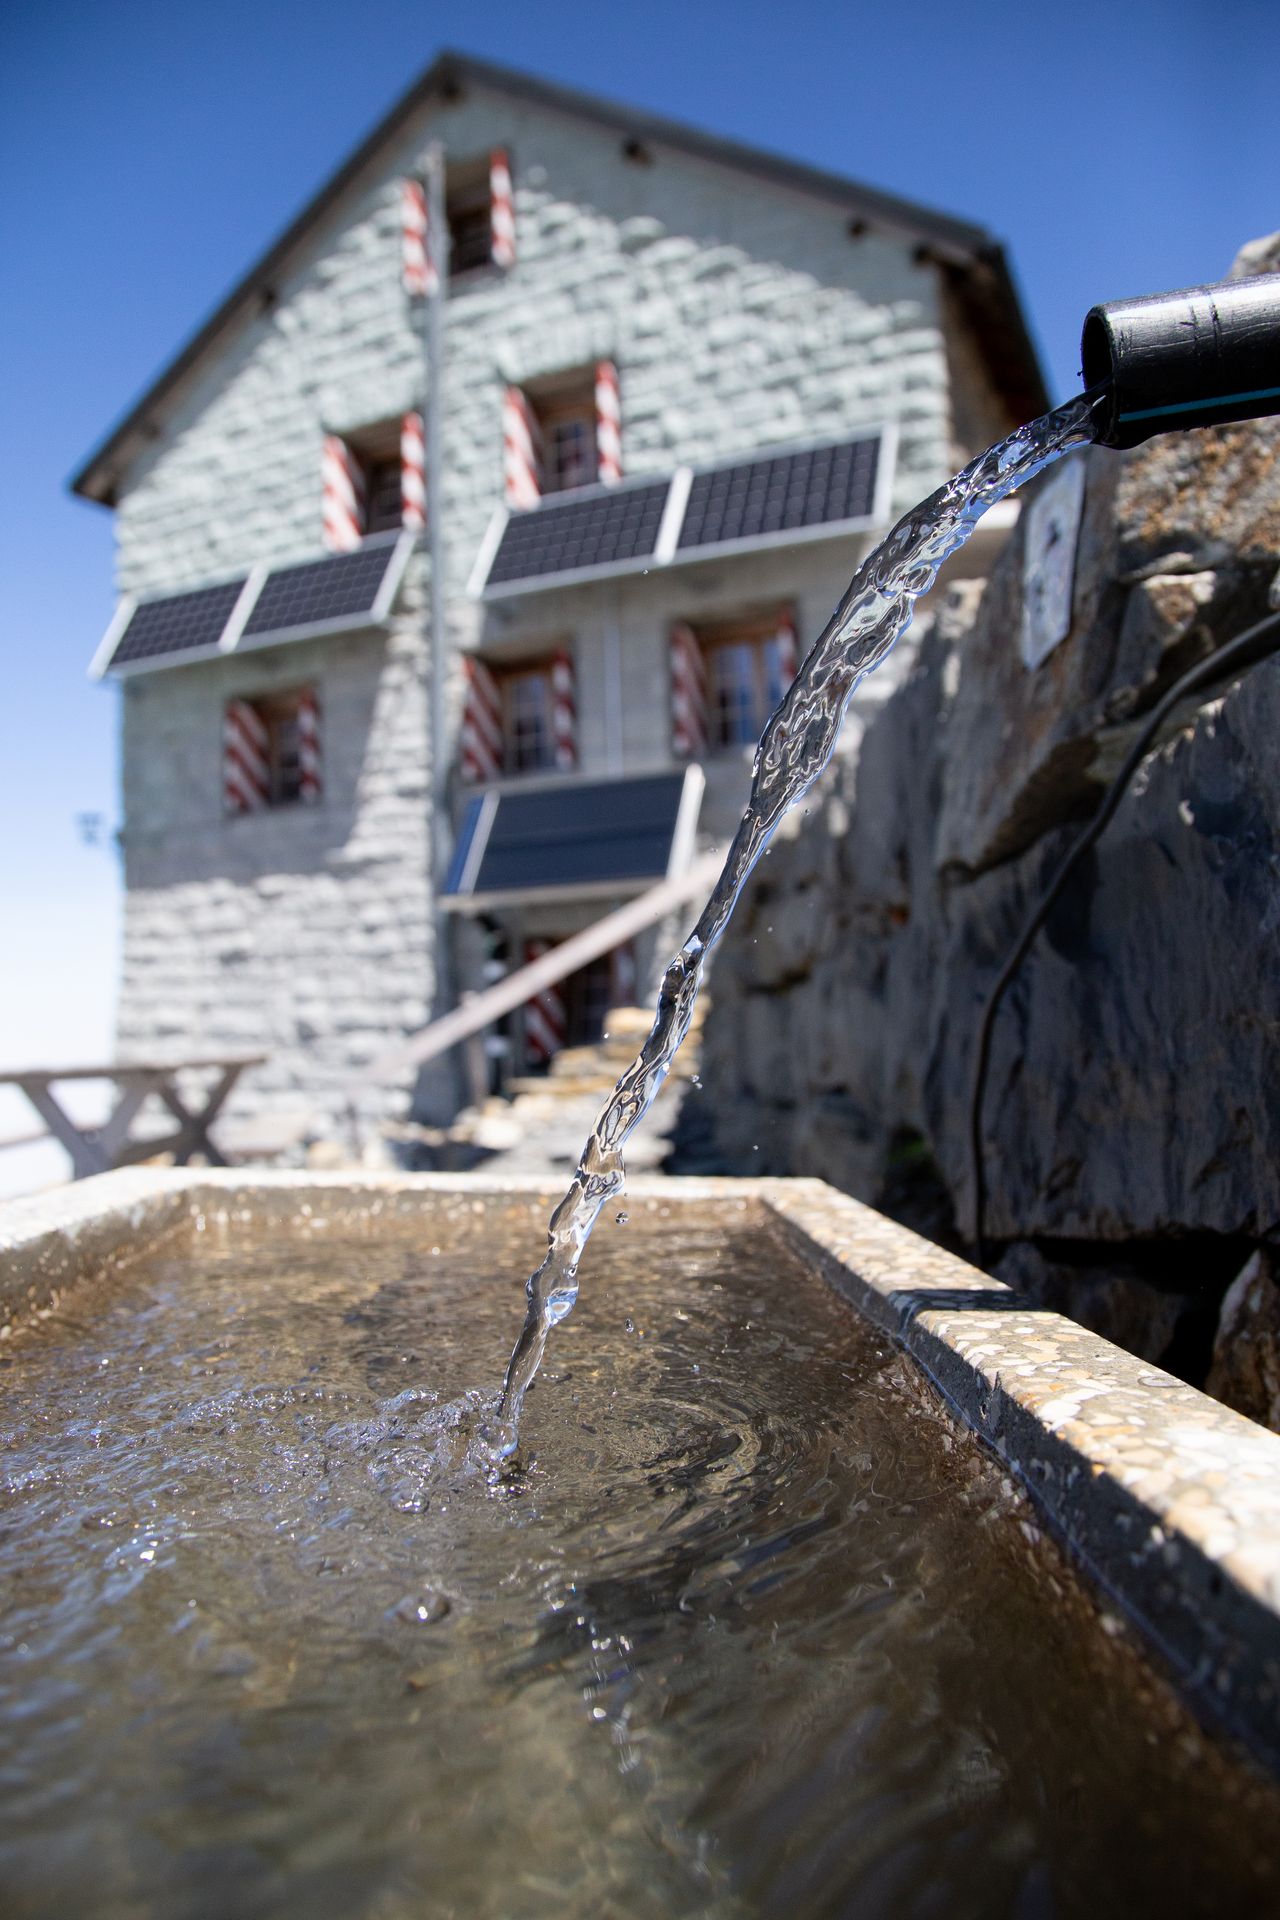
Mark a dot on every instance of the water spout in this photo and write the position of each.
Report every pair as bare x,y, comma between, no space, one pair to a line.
1199,358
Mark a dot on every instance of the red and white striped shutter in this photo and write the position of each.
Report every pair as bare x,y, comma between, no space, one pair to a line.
420,277
521,451
481,726
413,472
502,212
342,484
788,649
545,1018
608,424
308,745
564,713
246,775
688,693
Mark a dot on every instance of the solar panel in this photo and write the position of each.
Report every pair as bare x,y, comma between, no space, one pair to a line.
612,529
178,623
781,493
341,587
607,528
591,833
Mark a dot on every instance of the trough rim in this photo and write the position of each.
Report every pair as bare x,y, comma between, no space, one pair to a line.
1169,1499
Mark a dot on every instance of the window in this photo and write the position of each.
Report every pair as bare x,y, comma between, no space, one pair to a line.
565,409
468,211
571,450
527,731
384,505
745,685
560,432
519,719
271,751
479,208
592,995
373,481
573,1011
747,667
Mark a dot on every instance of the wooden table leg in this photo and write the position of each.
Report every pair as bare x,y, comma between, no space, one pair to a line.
195,1126
87,1157
111,1137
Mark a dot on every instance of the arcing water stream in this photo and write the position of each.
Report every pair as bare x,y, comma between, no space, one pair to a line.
796,745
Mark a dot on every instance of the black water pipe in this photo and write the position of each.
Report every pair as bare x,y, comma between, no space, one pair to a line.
1198,358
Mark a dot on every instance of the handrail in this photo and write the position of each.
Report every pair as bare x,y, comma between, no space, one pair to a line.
24,1139
480,1010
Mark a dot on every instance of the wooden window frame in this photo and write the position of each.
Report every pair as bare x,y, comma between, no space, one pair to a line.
563,399
468,200
278,711
756,632
509,677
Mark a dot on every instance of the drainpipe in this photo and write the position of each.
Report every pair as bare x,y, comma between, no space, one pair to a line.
441,836
612,676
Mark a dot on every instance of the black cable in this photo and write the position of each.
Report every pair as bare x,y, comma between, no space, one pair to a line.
1245,650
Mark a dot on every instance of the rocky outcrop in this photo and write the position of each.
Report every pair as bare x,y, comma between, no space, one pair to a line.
1130,1100
1245,1371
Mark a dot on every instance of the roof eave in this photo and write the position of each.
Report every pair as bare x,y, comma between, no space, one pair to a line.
957,243
1000,325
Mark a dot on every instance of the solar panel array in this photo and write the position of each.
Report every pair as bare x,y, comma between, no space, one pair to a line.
781,493
179,623
606,528
340,587
611,526
590,833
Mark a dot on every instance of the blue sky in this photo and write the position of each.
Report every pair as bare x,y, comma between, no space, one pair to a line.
148,153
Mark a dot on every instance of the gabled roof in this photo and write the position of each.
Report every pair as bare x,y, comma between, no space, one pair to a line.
976,260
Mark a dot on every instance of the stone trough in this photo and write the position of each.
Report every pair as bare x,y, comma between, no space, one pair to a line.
1167,1501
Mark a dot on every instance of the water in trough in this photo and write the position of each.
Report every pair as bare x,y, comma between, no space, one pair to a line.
752,1629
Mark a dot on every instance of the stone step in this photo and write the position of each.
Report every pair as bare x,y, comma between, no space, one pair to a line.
571,1062
542,1120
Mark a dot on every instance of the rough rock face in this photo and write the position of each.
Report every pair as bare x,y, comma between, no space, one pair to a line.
1131,1094
1246,1357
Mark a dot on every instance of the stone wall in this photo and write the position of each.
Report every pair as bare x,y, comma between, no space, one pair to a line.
305,932
738,314
1131,1130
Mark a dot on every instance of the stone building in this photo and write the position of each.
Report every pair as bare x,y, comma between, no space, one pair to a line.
685,384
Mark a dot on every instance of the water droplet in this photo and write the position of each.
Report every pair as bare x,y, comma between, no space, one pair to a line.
421,1609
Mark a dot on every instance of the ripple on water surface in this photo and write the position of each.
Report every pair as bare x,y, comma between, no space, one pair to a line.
747,1627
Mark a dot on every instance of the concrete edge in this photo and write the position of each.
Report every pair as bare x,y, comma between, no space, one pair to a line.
1170,1499
48,1240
